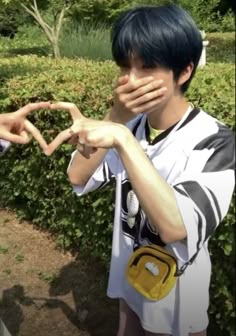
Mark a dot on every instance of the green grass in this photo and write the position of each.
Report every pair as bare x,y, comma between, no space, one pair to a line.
47,277
19,258
93,43
4,249
221,48
86,42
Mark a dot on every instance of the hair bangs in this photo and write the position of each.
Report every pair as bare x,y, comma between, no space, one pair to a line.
123,47
132,37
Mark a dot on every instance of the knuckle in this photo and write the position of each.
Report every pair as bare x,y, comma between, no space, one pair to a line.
127,105
123,100
72,106
29,106
141,91
133,86
154,85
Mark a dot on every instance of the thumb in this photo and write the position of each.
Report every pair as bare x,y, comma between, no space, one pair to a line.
60,139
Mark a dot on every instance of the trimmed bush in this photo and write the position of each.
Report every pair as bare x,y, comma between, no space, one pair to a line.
38,187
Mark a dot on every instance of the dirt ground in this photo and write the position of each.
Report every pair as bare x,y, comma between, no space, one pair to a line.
45,292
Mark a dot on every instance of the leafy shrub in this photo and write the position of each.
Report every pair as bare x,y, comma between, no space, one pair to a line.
37,185
27,41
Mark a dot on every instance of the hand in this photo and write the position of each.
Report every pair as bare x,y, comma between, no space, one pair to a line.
68,135
14,126
132,97
87,133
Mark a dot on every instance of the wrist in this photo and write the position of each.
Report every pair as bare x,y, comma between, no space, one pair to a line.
122,137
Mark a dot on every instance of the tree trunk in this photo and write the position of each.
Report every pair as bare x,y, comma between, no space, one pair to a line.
52,32
56,49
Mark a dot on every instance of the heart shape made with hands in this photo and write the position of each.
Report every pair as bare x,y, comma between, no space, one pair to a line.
88,134
16,128
68,135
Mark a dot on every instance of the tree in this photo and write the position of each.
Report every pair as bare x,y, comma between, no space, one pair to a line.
51,29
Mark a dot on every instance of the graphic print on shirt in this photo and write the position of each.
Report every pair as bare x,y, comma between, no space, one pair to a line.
141,232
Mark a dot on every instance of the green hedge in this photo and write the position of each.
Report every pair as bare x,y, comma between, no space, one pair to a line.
38,187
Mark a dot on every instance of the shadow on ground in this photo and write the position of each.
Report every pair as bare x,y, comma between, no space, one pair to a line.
89,310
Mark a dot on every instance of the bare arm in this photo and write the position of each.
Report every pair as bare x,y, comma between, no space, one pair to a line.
156,197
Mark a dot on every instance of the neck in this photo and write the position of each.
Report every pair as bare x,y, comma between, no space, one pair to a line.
167,115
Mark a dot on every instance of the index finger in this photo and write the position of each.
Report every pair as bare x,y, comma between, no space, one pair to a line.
122,80
59,139
29,127
25,110
72,108
134,85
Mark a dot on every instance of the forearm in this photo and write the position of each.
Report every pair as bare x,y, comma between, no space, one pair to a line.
156,197
82,168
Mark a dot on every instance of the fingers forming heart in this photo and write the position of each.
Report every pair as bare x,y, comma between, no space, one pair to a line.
68,135
29,128
19,129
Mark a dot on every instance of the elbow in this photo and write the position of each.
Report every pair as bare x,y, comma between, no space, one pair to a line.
75,180
174,235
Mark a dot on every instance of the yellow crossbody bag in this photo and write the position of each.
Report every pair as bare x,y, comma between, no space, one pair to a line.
152,271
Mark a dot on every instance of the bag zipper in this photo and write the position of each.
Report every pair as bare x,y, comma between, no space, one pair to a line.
151,255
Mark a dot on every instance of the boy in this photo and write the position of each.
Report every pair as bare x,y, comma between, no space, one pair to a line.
173,159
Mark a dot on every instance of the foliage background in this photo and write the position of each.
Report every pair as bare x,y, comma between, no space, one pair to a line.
210,15
37,186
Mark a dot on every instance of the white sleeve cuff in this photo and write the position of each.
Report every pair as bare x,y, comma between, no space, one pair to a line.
93,183
185,250
4,145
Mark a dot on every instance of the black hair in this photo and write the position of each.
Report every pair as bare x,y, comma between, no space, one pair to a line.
164,36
